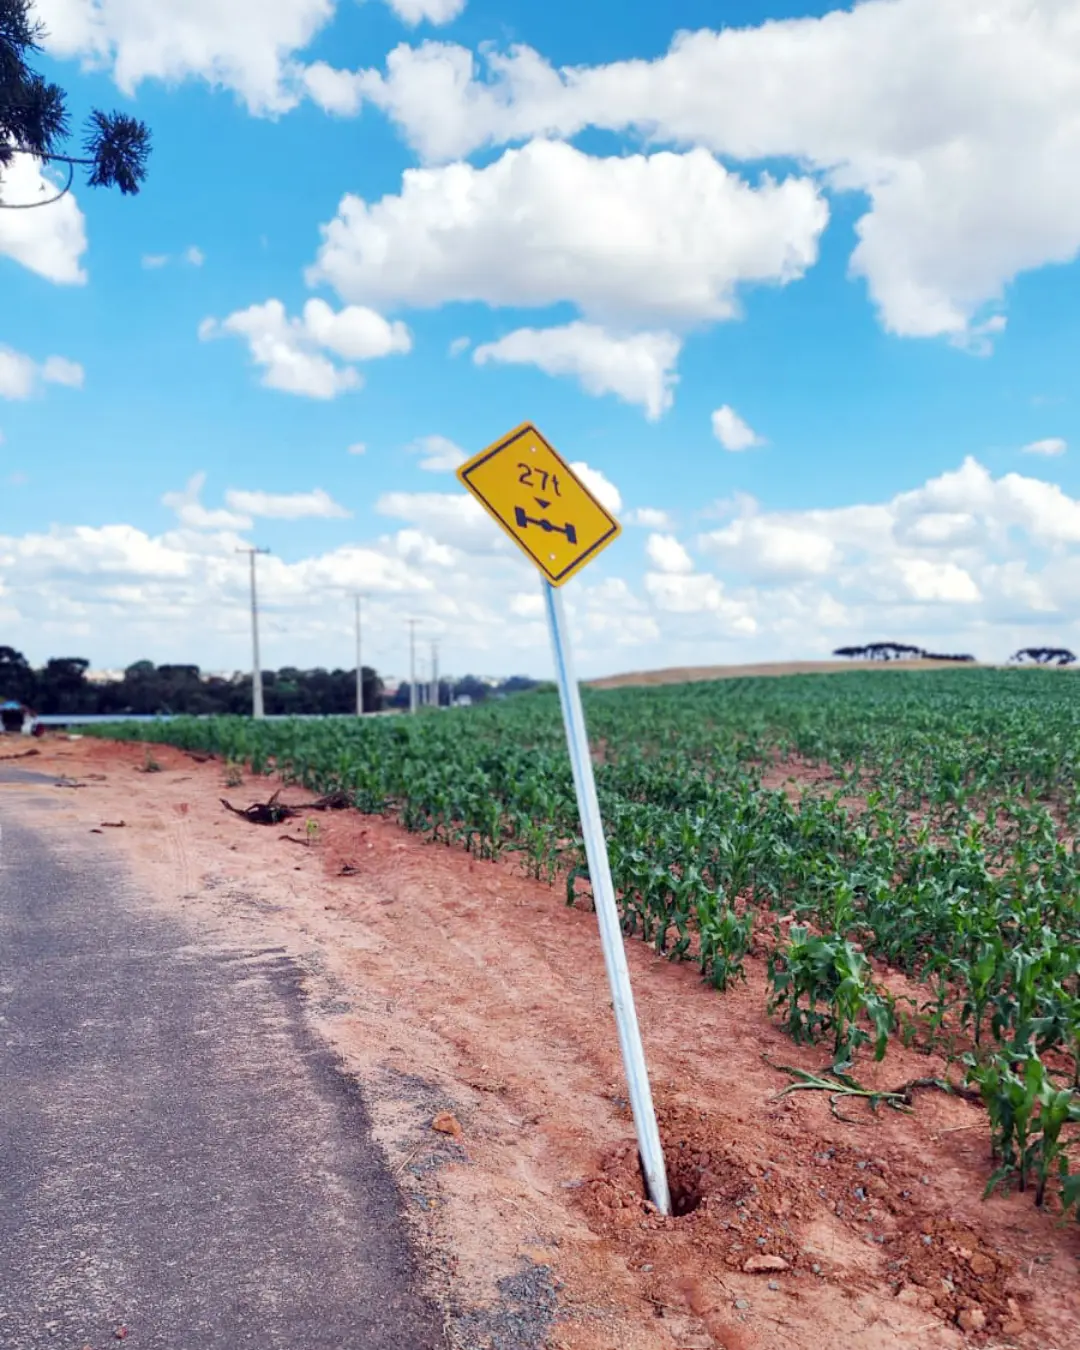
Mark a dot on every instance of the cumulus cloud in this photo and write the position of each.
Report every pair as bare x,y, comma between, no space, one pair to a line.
963,561
317,505
451,517
293,352
190,512
1052,445
639,368
927,579
246,46
767,546
651,517
430,11
438,454
49,241
700,593
953,119
602,488
21,377
732,432
662,238
667,554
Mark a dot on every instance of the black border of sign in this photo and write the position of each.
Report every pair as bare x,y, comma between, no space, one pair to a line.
554,577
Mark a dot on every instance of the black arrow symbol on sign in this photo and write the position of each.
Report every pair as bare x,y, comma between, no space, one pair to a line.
543,505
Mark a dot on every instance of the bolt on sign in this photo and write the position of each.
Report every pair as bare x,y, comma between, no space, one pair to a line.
539,501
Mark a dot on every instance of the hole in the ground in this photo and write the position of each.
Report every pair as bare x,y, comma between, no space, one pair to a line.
687,1183
684,1199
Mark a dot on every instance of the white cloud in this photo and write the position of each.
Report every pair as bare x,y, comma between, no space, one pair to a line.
18,374
21,377
927,579
59,370
440,455
650,517
191,513
357,448
1052,445
459,345
50,240
953,118
355,333
977,338
338,92
194,256
431,11
292,352
764,546
639,368
664,237
699,593
603,489
152,261
963,562
731,431
316,504
667,554
246,46
454,518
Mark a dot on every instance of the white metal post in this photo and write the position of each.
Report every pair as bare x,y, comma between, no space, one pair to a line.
412,666
256,667
592,829
359,666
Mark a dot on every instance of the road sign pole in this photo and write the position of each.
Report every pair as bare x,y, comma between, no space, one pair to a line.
592,829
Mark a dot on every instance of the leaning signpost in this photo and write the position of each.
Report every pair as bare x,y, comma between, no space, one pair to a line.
523,483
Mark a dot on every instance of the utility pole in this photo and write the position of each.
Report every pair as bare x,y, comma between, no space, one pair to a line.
412,666
256,666
359,666
435,674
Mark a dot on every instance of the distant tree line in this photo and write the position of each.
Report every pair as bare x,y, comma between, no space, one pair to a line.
897,651
61,686
1044,656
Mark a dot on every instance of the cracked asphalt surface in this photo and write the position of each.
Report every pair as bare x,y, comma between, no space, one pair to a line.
179,1155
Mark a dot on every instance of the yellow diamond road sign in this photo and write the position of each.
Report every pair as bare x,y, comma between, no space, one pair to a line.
532,492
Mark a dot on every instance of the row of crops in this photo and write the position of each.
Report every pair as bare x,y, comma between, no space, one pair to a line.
934,828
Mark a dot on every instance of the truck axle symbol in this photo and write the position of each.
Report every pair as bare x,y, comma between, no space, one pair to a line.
522,520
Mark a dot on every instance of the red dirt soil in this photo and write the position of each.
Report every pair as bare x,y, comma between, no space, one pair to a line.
426,964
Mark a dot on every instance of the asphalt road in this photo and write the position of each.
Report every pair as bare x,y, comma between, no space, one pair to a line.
178,1155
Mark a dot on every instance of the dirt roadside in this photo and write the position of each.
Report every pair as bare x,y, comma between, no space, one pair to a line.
464,995
696,674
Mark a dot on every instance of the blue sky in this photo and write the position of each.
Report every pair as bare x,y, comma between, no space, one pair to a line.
801,290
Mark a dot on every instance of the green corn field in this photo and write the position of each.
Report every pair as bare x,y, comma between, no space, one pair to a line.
926,819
